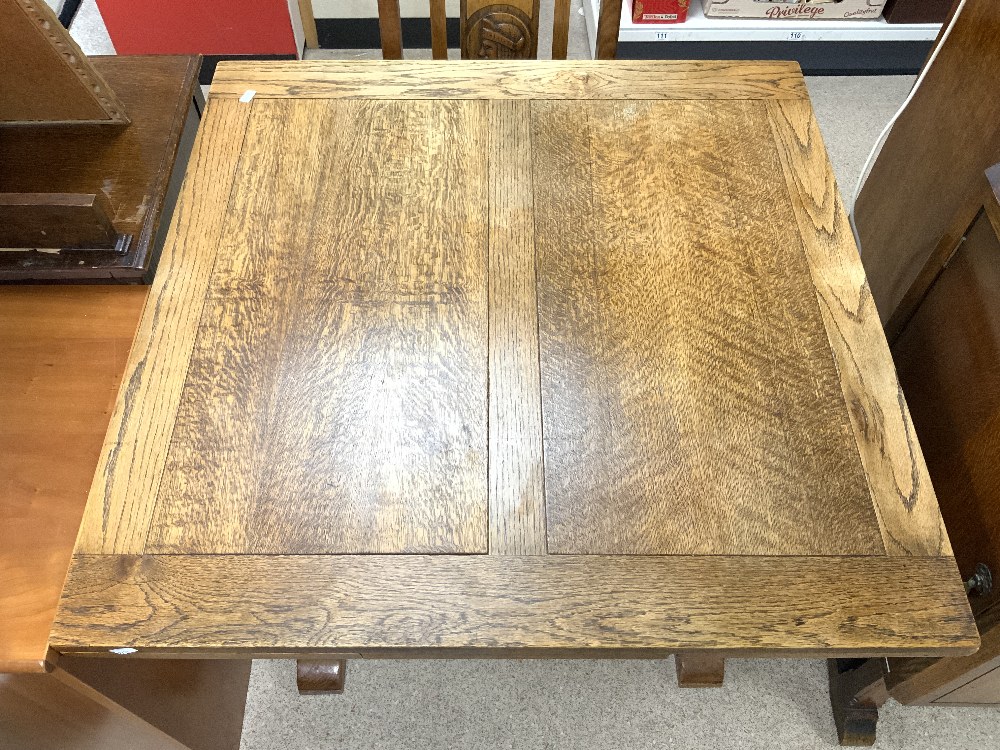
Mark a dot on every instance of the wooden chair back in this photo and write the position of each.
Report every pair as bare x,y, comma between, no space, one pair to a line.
492,30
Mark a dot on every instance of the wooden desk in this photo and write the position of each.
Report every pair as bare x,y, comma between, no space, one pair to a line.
63,351
517,360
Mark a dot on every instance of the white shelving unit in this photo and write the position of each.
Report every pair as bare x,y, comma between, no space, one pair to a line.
699,28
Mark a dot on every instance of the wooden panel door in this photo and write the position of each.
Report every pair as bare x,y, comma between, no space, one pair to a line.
948,358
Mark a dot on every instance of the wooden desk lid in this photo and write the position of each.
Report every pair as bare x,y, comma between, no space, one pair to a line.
487,356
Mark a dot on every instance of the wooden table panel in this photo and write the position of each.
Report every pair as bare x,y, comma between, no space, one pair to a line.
717,425
336,397
517,491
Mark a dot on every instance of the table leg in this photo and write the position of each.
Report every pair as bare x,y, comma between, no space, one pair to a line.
857,690
700,669
320,677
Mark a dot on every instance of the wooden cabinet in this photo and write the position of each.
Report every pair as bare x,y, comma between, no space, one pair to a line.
948,359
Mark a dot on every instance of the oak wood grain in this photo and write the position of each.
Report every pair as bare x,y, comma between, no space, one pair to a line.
908,513
122,497
517,493
360,341
690,401
336,398
230,375
498,79
453,604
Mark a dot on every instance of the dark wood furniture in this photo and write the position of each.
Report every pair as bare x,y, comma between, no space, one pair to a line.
930,255
499,31
948,357
937,150
428,370
947,352
44,77
916,11
134,171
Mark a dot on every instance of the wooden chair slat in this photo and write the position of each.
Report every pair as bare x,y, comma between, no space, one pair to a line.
391,29
607,29
439,30
499,30
560,29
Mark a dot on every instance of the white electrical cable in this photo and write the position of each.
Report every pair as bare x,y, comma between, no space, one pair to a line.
877,148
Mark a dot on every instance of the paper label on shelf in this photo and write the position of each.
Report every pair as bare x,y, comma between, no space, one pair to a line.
796,36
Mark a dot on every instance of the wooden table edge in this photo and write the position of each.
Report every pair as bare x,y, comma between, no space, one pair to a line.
392,604
902,495
495,79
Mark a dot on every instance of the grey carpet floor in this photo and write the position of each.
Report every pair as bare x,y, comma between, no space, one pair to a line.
583,705
596,705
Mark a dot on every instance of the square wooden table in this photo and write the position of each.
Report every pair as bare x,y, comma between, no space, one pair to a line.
511,359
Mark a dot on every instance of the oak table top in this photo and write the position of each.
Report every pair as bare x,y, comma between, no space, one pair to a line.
511,359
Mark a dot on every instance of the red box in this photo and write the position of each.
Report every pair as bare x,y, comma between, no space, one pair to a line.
659,11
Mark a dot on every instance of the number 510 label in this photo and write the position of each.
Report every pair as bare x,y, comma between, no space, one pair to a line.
796,36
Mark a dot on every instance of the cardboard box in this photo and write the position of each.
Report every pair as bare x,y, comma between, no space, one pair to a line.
659,11
795,10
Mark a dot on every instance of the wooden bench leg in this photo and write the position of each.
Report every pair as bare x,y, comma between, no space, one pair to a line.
315,677
700,669
857,690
